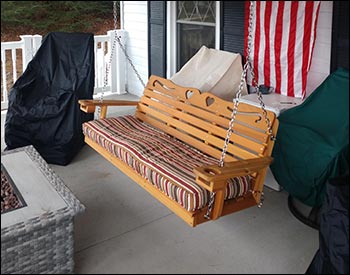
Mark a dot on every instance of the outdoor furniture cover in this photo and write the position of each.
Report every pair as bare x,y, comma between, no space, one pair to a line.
43,108
312,143
332,256
215,71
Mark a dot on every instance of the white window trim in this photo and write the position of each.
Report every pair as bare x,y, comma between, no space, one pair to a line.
171,35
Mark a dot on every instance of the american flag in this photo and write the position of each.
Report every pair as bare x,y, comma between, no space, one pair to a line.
284,34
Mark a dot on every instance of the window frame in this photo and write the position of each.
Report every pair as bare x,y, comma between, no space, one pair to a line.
172,35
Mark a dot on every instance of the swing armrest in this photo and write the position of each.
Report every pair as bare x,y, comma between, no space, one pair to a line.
213,177
89,105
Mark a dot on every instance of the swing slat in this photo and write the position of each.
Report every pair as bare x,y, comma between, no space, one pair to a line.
205,128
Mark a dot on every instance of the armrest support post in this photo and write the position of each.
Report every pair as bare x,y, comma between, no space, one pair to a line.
213,177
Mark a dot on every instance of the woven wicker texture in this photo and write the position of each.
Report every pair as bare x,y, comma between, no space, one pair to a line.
43,244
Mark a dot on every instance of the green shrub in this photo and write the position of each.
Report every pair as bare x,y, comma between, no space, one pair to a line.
46,16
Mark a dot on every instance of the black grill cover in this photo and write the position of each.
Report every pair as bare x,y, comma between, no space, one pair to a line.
43,108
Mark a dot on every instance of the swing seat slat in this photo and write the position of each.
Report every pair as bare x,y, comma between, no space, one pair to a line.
172,144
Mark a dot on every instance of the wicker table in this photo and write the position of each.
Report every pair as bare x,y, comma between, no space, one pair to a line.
37,238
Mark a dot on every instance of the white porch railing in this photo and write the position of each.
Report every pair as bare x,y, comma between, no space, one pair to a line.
15,57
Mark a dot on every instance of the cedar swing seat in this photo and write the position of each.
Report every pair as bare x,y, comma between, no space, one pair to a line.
201,156
172,144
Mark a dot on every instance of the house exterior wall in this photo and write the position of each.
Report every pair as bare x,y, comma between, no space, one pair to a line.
321,60
135,21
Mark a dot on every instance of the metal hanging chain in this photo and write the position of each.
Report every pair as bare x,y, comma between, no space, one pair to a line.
115,40
105,80
233,115
262,105
122,46
254,82
210,205
228,135
262,199
130,61
247,65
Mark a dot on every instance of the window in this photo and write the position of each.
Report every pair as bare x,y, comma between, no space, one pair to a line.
195,27
192,24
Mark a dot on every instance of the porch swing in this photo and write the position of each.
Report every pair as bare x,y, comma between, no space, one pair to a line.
199,155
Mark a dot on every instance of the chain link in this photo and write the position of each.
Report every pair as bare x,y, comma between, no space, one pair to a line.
262,199
267,120
210,205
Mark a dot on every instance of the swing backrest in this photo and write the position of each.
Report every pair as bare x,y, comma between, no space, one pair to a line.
201,120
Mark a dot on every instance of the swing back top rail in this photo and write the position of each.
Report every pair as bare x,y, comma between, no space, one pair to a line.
201,120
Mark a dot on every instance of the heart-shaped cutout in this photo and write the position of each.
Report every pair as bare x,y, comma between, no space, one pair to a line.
210,101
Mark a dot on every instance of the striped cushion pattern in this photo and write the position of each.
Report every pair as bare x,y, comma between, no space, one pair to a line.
164,161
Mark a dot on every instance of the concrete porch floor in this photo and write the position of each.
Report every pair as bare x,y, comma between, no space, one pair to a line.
125,230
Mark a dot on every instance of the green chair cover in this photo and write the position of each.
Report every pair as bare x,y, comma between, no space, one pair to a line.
312,143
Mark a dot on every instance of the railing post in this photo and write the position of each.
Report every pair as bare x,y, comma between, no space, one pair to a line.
118,65
27,50
36,43
4,99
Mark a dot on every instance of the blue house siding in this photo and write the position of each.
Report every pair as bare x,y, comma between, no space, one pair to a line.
157,38
232,26
340,35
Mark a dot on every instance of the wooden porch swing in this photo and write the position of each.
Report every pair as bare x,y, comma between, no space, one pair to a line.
201,156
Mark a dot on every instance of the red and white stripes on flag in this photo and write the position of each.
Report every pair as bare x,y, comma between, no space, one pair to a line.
284,34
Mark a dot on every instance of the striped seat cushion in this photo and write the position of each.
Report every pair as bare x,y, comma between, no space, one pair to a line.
164,161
